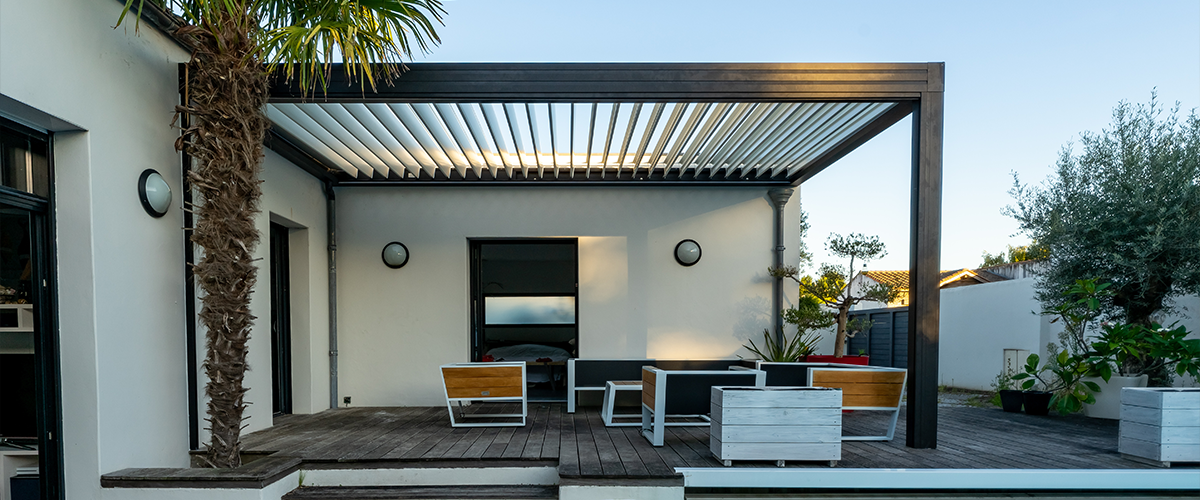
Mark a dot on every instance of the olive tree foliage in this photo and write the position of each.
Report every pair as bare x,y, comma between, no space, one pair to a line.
831,284
1124,210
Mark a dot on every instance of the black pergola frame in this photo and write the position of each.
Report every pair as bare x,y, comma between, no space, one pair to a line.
916,87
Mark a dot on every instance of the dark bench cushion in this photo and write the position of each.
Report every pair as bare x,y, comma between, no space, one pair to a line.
701,364
691,394
597,372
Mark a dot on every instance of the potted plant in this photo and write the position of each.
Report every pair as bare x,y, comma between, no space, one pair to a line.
789,351
1007,395
1063,389
809,317
1135,351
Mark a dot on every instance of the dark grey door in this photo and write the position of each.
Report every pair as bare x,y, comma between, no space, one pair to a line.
281,327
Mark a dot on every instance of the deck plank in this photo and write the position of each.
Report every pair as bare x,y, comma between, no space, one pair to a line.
568,455
500,443
610,460
551,444
589,458
537,433
629,458
482,443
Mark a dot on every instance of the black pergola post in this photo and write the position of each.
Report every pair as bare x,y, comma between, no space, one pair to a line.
924,263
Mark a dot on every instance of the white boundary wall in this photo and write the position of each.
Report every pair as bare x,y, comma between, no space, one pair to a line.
397,326
978,322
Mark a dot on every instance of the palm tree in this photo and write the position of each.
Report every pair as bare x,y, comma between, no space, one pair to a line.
236,45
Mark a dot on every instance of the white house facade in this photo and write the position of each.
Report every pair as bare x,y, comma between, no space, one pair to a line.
116,348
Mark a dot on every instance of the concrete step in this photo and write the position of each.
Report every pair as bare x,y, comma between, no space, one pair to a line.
470,492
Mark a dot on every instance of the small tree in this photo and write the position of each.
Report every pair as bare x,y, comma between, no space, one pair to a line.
1125,210
1015,254
832,288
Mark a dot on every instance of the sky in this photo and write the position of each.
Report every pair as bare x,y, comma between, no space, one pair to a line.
1023,80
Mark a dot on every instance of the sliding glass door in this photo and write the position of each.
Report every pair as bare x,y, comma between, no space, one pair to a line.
524,308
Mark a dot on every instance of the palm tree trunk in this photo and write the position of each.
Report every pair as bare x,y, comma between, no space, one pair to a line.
227,90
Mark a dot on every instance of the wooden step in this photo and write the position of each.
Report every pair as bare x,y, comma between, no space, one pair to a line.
473,492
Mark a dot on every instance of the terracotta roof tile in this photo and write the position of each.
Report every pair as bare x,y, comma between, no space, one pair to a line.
899,279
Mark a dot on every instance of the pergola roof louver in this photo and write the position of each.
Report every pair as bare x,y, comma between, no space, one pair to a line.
520,124
596,141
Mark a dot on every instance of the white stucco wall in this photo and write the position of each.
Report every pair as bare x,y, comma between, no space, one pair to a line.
120,274
292,198
397,326
978,322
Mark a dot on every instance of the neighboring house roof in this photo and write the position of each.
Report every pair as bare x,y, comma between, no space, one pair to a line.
946,279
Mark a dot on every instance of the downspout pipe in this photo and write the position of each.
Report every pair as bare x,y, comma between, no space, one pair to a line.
779,198
331,240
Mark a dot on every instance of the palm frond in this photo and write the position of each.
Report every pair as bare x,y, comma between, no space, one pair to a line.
372,38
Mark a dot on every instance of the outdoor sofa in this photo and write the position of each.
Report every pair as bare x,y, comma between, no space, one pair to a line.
593,374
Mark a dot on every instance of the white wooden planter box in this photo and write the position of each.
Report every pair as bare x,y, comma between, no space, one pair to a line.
776,423
1160,424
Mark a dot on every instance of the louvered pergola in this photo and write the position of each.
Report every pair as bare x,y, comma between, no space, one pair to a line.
606,124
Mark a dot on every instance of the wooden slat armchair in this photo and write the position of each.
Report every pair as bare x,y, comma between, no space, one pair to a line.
488,382
866,388
685,393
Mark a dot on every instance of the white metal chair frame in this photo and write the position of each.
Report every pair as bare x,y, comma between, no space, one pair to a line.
571,387
891,432
654,423
463,415
607,412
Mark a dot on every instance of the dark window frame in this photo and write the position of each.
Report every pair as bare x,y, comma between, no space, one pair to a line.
48,376
476,307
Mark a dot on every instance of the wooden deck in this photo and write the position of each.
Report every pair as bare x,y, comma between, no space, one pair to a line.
582,447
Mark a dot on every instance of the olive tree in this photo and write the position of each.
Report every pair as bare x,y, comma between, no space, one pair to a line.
1124,210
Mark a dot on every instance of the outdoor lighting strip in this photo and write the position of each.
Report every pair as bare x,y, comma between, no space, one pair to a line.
944,479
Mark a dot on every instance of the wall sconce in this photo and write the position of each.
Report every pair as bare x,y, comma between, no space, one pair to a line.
395,255
687,253
154,193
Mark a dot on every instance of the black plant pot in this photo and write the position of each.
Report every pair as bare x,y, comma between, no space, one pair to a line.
1011,400
1037,402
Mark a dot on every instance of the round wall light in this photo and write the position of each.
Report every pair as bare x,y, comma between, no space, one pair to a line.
687,253
154,193
395,255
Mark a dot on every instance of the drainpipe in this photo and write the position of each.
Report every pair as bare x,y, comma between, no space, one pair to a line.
779,198
331,238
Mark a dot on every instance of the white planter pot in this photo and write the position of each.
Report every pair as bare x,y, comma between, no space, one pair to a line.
1108,400
776,423
1161,424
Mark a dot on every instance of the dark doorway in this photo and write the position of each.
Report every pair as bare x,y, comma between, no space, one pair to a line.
30,415
524,308
281,325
